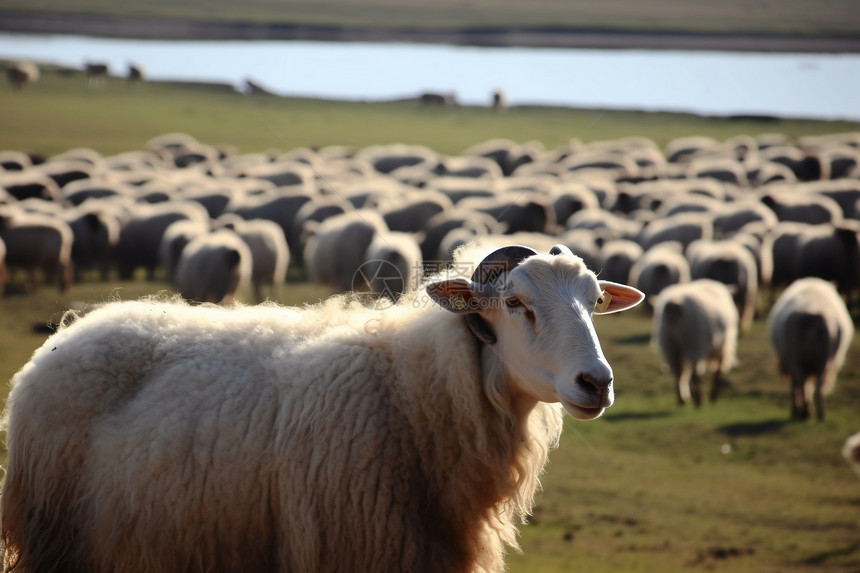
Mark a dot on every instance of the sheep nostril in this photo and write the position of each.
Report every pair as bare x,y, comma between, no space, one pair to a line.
590,384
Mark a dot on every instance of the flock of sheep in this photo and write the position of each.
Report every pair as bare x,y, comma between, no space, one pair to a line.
707,232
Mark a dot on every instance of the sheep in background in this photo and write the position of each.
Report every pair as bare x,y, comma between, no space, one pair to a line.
176,237
270,254
507,153
140,238
735,215
149,434
307,220
613,226
95,227
411,214
442,223
30,183
791,205
281,208
335,253
37,242
832,253
851,452
213,267
660,267
500,100
13,160
392,265
810,331
732,264
97,74
616,258
683,228
696,331
135,74
570,198
521,213
22,74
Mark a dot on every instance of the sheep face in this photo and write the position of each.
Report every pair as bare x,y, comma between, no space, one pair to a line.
540,315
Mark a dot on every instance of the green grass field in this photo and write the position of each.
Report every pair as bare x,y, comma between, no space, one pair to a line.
649,487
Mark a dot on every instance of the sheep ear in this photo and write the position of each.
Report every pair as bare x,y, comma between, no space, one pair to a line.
617,297
460,296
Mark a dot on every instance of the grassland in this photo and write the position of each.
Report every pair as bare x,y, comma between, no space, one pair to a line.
60,112
650,487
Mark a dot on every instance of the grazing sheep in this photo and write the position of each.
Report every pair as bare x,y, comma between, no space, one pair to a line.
280,208
270,254
213,267
696,331
810,331
442,223
176,237
96,230
155,436
335,253
732,264
660,267
30,183
307,219
521,213
37,242
140,238
135,74
851,451
832,253
392,265
612,225
508,154
500,100
616,258
22,74
735,215
97,74
411,214
683,228
800,206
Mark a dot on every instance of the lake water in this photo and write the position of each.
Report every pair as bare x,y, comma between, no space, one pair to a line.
820,86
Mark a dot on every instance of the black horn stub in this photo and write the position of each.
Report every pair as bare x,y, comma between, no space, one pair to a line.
488,270
501,261
560,250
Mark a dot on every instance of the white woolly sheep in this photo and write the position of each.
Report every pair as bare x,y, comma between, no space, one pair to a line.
392,265
270,254
22,74
37,242
810,331
213,267
176,237
851,452
616,258
155,436
140,239
732,264
683,228
696,331
335,253
660,267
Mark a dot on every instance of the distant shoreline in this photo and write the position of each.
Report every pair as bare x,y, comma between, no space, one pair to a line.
155,29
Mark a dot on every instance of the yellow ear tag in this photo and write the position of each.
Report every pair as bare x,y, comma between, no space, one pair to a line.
602,304
457,301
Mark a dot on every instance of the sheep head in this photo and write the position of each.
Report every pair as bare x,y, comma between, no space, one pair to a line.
535,312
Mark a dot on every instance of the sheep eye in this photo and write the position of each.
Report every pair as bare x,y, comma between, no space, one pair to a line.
513,302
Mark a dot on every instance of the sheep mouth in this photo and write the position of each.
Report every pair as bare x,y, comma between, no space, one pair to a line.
582,412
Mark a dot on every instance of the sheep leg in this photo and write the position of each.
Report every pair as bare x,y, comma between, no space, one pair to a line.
799,407
696,389
682,386
715,386
818,397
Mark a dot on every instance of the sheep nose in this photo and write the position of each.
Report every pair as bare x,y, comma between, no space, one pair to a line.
598,385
